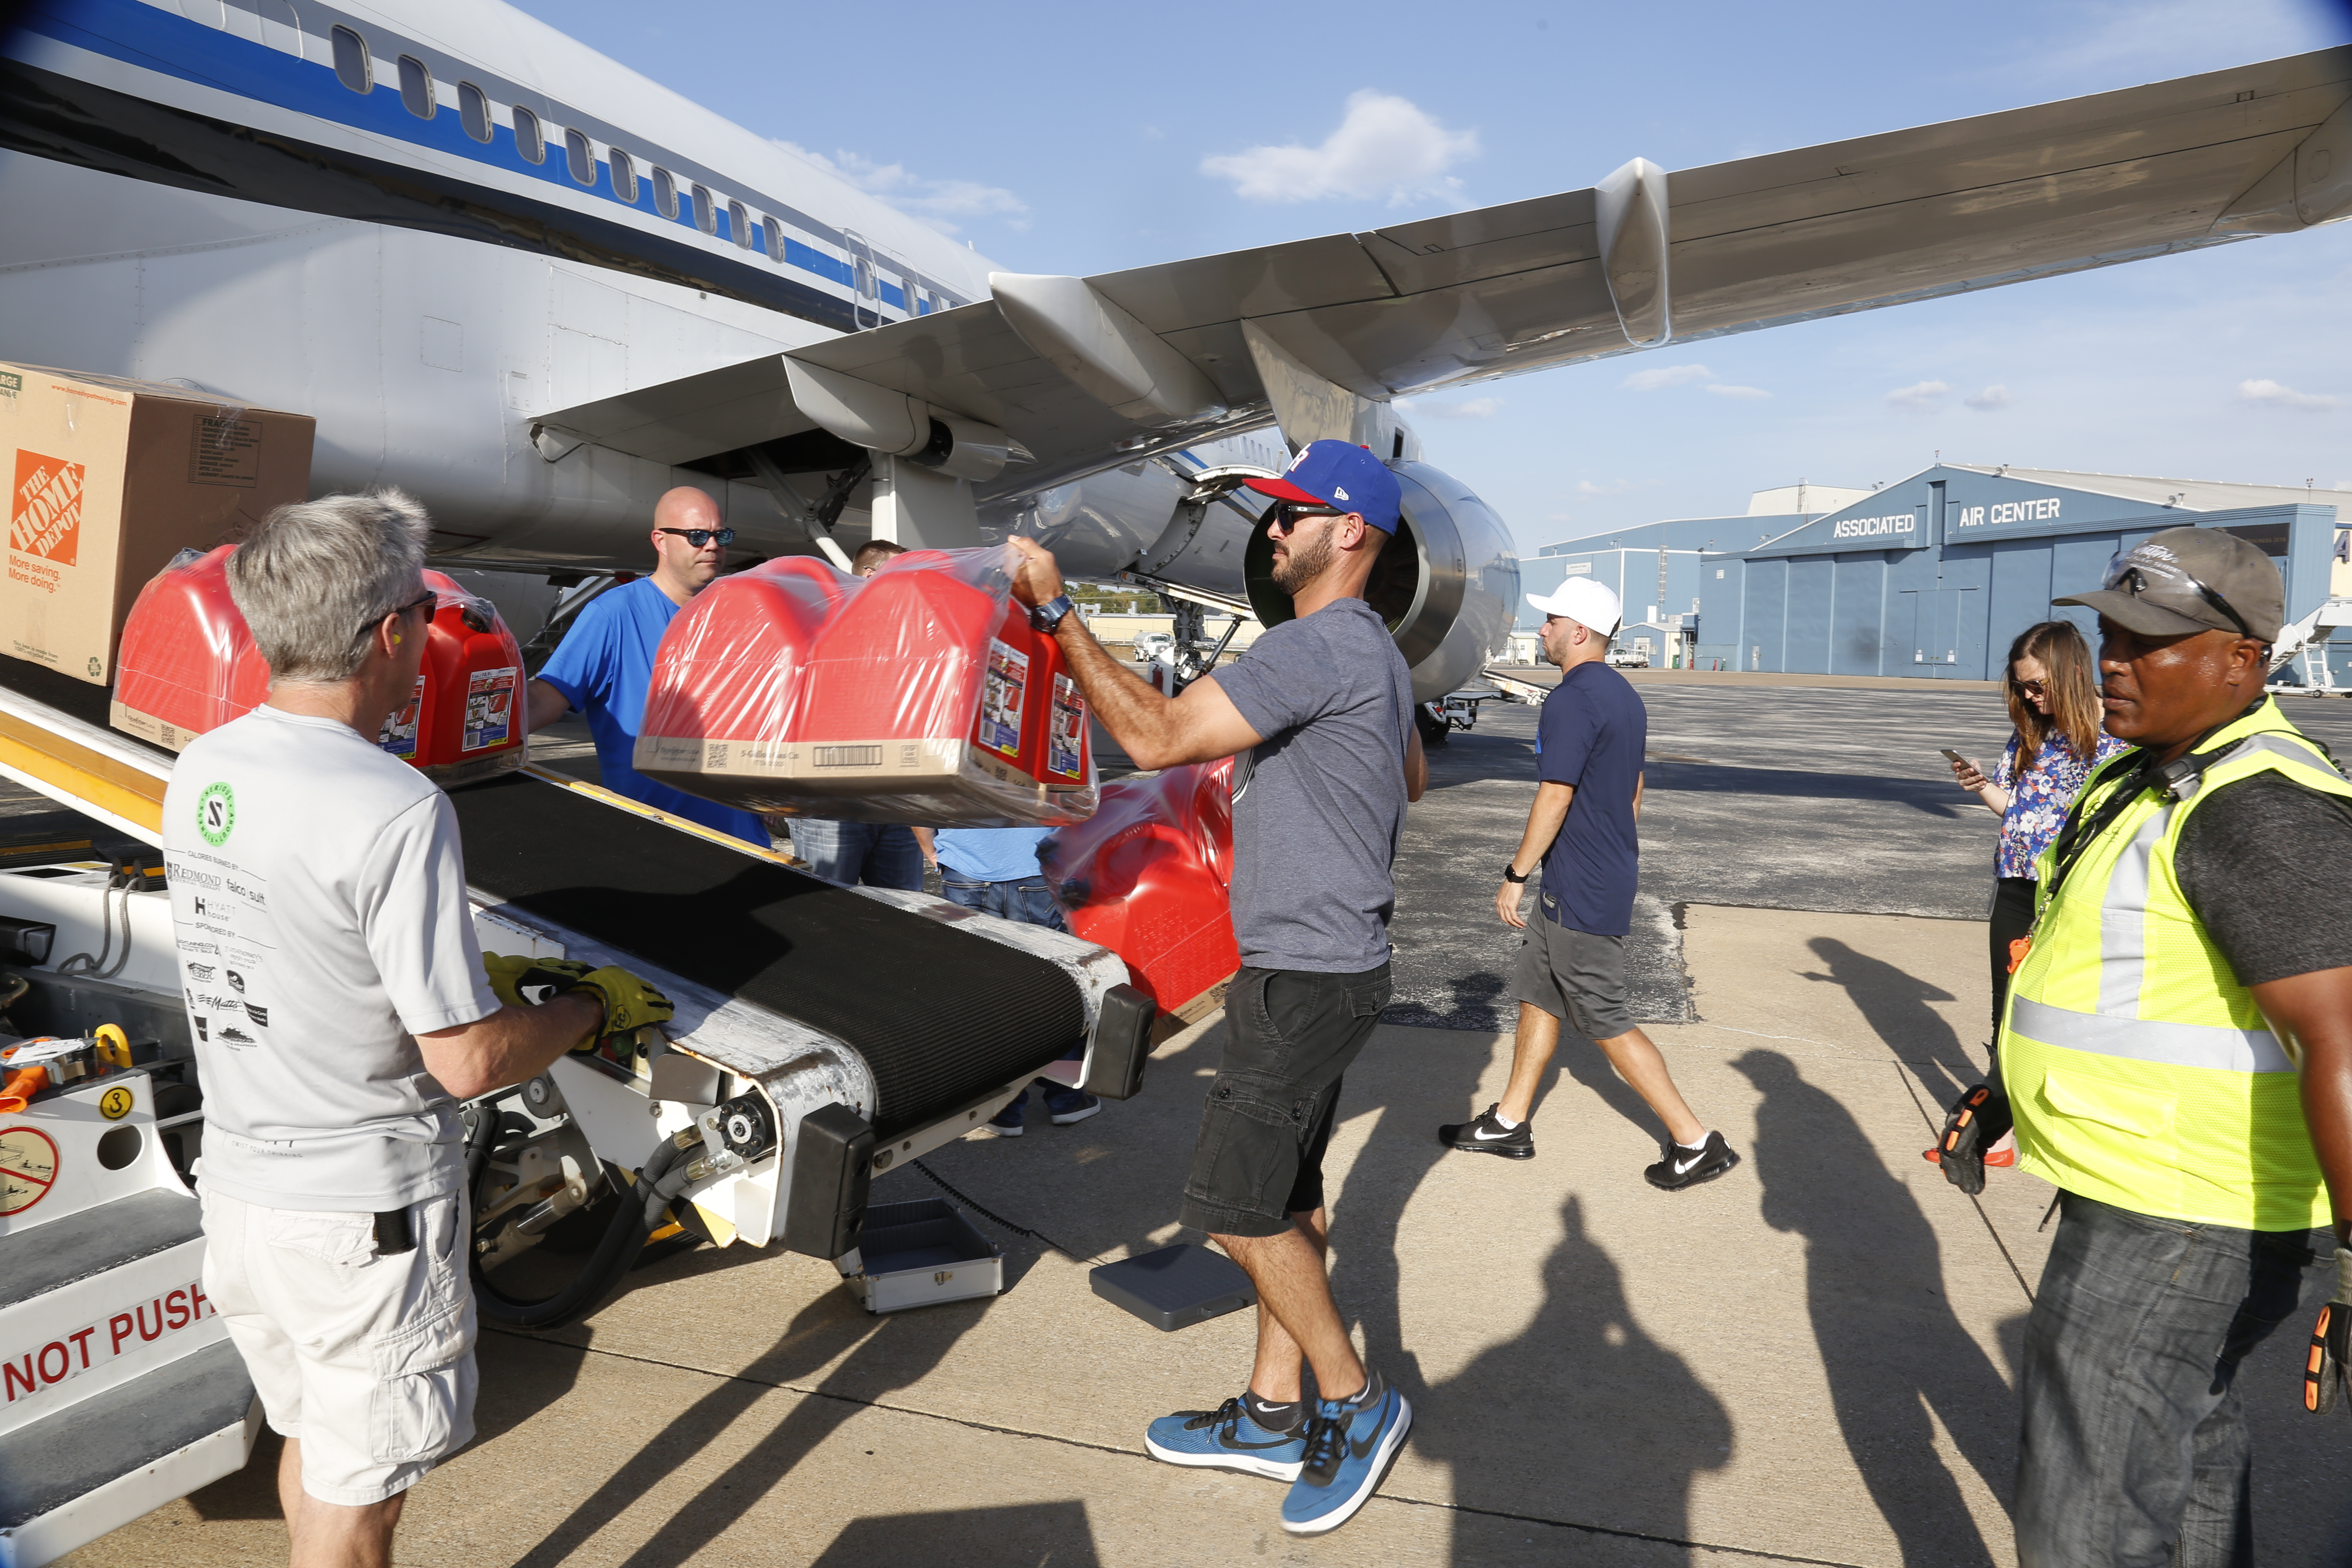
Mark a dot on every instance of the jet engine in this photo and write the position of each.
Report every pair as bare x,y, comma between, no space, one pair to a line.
1448,584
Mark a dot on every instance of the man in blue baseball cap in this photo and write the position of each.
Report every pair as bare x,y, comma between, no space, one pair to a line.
1319,711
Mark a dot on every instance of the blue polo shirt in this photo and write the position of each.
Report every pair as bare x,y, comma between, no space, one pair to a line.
603,666
990,854
1591,736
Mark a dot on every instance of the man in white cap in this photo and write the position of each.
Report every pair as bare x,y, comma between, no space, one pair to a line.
1581,828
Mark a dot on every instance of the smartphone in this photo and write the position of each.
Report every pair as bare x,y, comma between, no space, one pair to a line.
1953,756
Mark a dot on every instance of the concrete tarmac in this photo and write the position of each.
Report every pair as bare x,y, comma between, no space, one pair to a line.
1810,1360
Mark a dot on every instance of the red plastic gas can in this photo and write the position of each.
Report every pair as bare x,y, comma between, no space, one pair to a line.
1148,877
729,670
466,719
188,663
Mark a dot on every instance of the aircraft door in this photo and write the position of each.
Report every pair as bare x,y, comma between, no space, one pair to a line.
865,282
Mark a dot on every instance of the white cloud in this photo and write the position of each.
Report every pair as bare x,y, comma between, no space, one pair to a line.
1613,487
1990,399
1919,397
1666,375
1721,390
1475,408
1385,145
939,202
2270,394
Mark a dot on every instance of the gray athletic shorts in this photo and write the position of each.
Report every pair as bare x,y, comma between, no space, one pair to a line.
1574,976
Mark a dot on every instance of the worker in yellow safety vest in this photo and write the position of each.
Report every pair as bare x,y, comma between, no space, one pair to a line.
2177,1058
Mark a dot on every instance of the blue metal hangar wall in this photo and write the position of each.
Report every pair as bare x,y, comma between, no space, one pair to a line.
1934,575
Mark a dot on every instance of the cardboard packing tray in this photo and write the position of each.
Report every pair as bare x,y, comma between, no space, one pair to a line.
110,479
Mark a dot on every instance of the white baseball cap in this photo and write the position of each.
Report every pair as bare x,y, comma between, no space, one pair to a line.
1586,602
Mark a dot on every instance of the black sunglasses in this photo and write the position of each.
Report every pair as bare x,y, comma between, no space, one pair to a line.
427,603
1287,517
698,537
2136,577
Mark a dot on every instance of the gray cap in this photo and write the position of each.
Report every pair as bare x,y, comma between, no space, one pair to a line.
2168,585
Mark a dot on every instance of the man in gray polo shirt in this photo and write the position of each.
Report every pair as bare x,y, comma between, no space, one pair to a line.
1319,711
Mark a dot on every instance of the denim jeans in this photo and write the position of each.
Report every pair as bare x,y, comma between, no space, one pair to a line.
1029,901
878,854
2135,1449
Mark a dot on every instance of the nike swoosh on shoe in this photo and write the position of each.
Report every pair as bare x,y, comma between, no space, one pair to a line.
1485,1137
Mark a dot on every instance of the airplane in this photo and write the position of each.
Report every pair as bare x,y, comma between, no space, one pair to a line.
536,290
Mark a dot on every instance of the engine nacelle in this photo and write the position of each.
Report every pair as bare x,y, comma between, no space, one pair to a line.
1448,584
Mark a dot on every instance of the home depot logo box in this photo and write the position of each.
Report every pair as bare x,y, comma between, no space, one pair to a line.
108,480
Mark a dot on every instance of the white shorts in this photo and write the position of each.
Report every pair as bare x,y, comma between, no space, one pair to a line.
366,1361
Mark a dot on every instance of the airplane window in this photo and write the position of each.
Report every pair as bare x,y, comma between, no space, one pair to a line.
580,156
864,275
706,213
664,193
775,233
474,110
624,175
529,139
279,28
739,225
352,67
416,87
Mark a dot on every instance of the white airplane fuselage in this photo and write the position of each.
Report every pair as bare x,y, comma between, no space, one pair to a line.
198,194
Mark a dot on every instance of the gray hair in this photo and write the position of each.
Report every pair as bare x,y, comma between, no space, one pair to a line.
314,579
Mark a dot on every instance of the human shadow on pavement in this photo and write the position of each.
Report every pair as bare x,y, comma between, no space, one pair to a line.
885,1355
1583,1417
1890,1346
1894,1002
1027,1535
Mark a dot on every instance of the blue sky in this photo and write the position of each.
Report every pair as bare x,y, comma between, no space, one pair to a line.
1081,138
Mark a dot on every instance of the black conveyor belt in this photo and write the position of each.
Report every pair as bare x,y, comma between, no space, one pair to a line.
940,1016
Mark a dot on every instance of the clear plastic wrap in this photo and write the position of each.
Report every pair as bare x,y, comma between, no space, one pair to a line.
918,695
188,665
1148,877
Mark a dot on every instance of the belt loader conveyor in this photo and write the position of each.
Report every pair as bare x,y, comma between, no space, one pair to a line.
822,1036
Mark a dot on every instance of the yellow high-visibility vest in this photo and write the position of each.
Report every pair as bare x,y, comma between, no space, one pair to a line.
2138,1068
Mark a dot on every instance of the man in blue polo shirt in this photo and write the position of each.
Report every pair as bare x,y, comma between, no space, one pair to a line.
1582,827
606,660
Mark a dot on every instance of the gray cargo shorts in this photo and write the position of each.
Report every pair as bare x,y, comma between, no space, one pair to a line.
1574,976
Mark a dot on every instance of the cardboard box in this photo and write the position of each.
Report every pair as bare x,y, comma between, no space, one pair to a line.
110,479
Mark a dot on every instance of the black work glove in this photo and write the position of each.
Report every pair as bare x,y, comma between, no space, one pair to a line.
2323,1369
1977,1121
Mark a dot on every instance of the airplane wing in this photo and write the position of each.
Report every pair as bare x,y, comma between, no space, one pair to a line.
1082,372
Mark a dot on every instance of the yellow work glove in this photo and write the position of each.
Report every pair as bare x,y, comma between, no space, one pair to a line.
630,1003
509,975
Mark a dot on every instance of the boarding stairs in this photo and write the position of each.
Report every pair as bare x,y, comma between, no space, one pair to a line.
2305,647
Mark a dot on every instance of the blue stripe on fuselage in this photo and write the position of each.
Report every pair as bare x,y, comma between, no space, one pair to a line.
209,57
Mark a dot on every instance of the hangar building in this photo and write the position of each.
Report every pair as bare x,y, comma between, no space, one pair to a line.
1930,576
1933,576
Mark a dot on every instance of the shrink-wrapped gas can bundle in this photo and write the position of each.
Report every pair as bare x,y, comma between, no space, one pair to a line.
188,664
1148,877
919,695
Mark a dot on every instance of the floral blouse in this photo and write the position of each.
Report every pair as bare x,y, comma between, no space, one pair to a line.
2038,802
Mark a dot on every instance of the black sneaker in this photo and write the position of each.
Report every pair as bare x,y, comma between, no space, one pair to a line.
1680,1168
1484,1135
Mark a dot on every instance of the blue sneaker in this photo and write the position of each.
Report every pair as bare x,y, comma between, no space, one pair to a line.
1350,1443
1226,1439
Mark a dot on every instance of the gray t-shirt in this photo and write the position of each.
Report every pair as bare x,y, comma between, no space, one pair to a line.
319,904
1319,805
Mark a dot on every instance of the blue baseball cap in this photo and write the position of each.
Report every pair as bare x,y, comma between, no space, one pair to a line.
1342,475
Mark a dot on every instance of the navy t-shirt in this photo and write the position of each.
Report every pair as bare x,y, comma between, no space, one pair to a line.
603,666
1591,736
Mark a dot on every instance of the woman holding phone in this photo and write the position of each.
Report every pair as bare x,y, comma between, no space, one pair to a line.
2054,701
